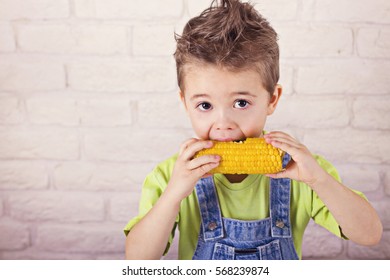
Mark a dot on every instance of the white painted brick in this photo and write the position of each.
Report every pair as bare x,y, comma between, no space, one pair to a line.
38,143
310,112
314,41
271,10
11,111
347,77
387,182
155,40
81,238
373,42
122,145
286,79
90,176
73,39
277,10
56,206
121,76
7,40
114,111
23,175
33,253
348,145
376,11
14,236
320,243
124,9
61,111
163,111
377,252
383,210
364,178
36,9
31,76
371,113
124,207
196,7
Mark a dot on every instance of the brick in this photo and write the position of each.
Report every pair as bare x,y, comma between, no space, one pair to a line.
56,206
7,40
14,236
382,208
373,42
271,10
123,9
38,143
371,11
122,76
153,40
341,77
371,113
310,112
286,78
115,111
90,176
23,175
81,238
377,252
33,253
364,178
122,145
387,182
11,110
324,41
124,207
348,145
35,76
72,39
37,9
162,111
61,111
320,243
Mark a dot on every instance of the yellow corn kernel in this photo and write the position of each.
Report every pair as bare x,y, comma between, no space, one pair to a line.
251,156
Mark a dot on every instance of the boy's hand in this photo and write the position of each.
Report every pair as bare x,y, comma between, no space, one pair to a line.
303,166
188,170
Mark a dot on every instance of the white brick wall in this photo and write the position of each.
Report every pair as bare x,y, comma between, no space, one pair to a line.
83,83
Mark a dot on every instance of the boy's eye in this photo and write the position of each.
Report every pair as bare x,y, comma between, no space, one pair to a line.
241,103
204,106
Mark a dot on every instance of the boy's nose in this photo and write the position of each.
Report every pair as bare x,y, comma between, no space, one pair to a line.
224,122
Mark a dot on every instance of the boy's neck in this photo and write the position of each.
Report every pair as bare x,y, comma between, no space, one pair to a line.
235,178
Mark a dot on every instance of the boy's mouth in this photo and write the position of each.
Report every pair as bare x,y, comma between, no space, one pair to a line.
229,140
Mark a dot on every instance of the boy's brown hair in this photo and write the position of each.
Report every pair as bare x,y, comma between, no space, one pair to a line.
233,35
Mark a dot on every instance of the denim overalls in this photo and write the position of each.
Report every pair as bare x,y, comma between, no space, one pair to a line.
229,239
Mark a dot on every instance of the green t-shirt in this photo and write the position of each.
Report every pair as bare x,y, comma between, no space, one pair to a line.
247,200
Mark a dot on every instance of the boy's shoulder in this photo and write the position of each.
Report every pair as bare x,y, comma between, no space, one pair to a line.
163,170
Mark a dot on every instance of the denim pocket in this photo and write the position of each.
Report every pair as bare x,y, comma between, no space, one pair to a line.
270,251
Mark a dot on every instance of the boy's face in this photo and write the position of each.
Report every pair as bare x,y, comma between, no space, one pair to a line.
224,105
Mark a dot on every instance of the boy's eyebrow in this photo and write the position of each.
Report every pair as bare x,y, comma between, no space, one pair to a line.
204,95
199,95
247,93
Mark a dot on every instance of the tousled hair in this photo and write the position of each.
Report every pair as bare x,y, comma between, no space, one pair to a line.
233,35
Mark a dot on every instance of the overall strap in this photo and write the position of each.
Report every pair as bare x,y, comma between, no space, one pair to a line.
280,204
210,212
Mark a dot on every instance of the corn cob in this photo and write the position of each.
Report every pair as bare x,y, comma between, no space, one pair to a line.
252,156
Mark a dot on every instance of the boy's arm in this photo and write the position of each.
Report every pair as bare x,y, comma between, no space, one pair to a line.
356,217
149,237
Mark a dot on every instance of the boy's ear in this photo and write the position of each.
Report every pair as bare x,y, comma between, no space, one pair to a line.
274,99
181,94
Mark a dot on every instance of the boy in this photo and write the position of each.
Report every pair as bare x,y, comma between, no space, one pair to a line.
228,68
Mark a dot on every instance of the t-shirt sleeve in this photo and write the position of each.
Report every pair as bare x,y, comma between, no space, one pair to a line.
153,186
319,212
